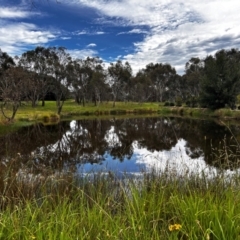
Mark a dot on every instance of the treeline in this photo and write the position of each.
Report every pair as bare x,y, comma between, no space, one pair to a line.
51,73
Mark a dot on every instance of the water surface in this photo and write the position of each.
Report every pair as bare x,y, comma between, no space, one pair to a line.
130,145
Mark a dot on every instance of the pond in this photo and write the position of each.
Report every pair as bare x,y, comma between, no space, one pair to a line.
122,145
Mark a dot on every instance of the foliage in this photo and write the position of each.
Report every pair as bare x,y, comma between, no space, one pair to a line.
193,73
38,62
141,90
119,78
178,101
51,73
166,104
12,90
192,102
221,80
87,79
160,75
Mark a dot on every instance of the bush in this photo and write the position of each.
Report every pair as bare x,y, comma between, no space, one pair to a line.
166,104
192,102
178,101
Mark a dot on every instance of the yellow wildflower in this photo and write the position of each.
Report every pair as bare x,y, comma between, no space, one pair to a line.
174,227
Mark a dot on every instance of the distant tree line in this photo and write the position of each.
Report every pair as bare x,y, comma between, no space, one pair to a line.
51,73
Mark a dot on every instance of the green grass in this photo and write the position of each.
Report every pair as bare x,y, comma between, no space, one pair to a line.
48,114
104,207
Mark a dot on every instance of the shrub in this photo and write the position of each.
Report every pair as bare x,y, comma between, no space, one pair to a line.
178,101
192,102
166,104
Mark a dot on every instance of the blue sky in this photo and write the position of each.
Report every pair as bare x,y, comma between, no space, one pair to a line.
137,31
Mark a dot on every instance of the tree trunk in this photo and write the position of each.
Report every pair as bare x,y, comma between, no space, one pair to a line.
83,101
14,111
59,107
15,108
33,103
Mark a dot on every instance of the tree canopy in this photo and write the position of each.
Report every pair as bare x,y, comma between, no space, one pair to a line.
52,73
220,83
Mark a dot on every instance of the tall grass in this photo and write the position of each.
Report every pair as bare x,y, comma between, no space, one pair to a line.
104,207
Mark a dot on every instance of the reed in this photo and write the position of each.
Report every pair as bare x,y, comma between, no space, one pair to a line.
101,206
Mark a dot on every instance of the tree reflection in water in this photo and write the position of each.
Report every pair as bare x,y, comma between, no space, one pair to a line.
129,144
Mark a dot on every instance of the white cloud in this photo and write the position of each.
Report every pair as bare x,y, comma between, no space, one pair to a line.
84,32
91,45
16,37
24,33
134,31
8,13
139,12
188,40
82,53
177,30
99,33
66,38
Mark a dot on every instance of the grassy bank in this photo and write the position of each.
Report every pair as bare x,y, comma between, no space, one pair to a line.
47,114
103,207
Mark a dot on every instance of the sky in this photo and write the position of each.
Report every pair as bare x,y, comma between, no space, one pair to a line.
137,31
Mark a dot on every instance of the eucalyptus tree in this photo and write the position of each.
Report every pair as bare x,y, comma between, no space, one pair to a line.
12,90
141,90
220,84
33,88
97,86
75,80
37,61
192,77
160,75
177,89
8,83
127,81
86,79
5,61
58,64
119,77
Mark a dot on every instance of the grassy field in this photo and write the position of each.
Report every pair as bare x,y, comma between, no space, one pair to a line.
154,207
48,114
